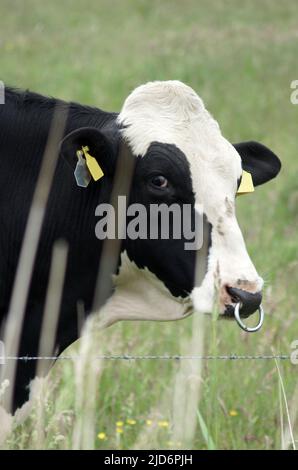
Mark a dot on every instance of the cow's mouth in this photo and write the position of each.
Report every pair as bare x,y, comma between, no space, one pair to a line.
229,312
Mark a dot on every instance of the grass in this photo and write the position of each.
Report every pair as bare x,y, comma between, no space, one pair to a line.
241,60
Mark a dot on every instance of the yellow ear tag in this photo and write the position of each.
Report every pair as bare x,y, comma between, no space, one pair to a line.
94,168
246,185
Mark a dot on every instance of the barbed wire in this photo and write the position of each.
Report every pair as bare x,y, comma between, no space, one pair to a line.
126,357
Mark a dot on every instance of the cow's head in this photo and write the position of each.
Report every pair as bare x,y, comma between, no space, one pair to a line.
181,157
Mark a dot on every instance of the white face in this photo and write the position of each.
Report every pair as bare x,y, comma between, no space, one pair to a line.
172,113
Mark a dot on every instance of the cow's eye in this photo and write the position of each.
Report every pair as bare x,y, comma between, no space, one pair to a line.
159,181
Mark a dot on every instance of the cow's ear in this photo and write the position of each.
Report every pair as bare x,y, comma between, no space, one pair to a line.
97,144
259,161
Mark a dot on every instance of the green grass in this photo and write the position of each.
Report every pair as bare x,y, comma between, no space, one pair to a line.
241,59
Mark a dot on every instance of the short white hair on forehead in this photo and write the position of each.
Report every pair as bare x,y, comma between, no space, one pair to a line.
168,112
169,96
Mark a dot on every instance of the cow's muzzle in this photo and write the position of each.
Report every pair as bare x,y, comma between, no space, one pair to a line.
249,302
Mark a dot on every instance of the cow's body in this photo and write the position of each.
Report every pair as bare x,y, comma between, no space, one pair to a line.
25,122
180,157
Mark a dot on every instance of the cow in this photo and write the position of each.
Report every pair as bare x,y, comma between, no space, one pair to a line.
179,156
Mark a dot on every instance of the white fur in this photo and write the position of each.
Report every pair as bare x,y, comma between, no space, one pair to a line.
171,112
140,295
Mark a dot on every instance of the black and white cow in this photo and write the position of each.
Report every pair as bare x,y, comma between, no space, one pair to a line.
180,157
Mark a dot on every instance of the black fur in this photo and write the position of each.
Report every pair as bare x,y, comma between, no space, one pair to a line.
168,259
25,121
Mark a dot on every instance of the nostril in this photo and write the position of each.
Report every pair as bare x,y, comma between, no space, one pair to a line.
249,302
234,298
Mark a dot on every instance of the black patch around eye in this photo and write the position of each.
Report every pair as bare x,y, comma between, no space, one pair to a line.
166,258
168,161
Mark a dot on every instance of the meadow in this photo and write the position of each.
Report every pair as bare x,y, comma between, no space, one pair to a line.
241,58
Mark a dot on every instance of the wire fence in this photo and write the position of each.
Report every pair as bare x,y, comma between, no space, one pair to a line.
126,357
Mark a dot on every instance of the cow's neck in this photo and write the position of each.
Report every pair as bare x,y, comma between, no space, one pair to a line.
140,295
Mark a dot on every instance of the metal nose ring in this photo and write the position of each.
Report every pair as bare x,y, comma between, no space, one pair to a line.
242,325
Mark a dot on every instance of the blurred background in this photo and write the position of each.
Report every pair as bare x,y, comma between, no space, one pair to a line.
241,59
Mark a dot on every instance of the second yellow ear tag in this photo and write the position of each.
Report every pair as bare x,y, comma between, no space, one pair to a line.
246,185
92,164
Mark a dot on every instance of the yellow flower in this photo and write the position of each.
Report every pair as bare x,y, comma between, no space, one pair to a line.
148,422
132,422
233,413
174,444
119,424
101,436
119,430
163,424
